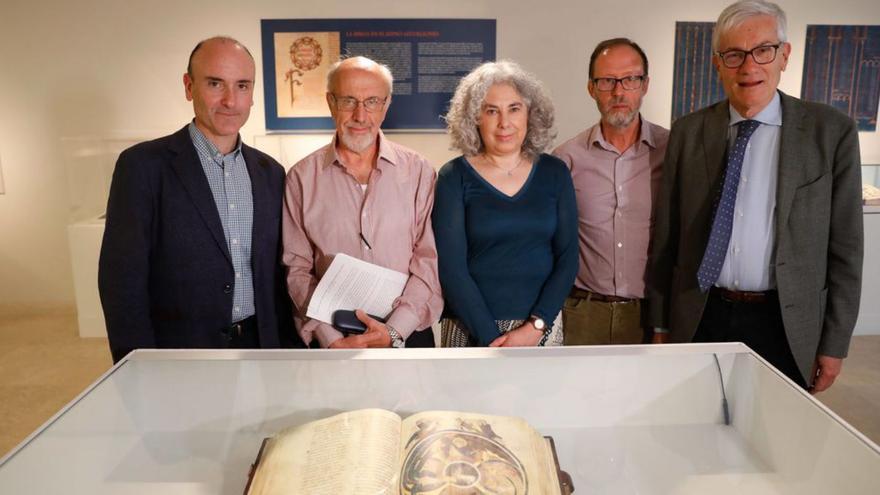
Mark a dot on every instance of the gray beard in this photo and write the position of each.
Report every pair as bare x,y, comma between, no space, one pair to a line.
621,120
357,144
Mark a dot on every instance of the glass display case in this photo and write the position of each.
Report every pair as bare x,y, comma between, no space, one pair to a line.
697,418
871,188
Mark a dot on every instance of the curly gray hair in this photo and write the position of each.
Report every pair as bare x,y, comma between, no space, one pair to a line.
463,117
739,12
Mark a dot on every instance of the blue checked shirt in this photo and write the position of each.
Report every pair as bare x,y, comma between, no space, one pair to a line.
231,187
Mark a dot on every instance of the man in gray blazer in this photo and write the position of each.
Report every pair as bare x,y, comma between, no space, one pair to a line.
758,235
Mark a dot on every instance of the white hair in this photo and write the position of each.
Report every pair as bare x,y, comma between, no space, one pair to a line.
359,62
739,12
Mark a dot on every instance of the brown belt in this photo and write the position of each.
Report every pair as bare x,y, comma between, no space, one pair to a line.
593,296
743,296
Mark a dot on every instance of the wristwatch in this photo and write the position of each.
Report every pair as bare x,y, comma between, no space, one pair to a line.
396,340
538,323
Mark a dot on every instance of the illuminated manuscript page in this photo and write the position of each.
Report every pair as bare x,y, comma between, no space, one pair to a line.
465,452
347,454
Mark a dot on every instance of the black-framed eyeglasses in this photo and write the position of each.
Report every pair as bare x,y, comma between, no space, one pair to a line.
350,104
629,83
762,55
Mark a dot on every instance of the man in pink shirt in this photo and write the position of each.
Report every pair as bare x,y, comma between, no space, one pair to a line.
615,166
369,198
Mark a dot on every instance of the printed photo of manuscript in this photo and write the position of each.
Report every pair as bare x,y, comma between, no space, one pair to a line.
302,61
842,69
695,83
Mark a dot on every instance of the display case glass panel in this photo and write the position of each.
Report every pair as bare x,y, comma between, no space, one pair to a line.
625,420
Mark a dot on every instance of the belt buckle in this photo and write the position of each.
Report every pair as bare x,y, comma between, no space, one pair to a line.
236,329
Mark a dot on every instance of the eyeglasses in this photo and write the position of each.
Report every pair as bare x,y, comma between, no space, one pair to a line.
349,104
763,54
629,83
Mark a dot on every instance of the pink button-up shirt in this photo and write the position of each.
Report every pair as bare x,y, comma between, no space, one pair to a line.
325,213
615,197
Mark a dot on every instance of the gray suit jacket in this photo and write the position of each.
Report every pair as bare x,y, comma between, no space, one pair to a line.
818,241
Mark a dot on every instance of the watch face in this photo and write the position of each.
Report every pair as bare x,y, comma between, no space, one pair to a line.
538,323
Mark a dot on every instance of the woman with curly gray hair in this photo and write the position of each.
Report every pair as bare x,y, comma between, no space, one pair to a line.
505,219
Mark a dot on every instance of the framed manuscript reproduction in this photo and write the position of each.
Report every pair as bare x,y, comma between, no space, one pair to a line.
426,56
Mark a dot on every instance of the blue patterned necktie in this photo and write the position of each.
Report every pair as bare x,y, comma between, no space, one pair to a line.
722,224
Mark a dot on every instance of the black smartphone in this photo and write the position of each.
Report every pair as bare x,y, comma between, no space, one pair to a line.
347,322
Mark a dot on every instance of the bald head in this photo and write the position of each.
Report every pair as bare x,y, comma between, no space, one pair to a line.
213,42
220,84
354,64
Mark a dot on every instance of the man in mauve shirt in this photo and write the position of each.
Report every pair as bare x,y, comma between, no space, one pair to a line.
369,198
615,166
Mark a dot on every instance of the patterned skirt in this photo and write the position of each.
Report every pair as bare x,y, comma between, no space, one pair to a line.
453,334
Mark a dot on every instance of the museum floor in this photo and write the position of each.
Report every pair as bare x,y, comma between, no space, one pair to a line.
44,364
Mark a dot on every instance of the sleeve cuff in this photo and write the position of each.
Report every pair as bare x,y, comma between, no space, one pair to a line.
325,333
403,321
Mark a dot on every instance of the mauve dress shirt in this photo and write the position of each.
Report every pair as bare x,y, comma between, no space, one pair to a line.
615,195
325,213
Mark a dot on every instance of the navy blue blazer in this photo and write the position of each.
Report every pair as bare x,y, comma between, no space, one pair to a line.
165,274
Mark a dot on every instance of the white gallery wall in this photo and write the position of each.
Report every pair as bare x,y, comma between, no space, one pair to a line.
79,79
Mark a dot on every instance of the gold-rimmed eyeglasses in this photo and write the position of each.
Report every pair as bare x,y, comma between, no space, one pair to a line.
350,104
762,55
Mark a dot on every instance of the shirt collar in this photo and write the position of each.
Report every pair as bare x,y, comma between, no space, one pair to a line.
770,115
386,152
595,137
200,140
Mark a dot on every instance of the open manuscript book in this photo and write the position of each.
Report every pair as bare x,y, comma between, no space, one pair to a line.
373,451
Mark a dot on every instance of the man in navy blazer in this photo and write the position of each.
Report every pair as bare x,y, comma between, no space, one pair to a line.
191,248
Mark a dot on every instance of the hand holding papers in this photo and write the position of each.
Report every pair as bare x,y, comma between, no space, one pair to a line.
350,284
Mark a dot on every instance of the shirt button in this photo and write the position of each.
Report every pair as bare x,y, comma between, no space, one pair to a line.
619,244
620,188
736,283
231,206
237,309
237,274
235,241
227,288
227,174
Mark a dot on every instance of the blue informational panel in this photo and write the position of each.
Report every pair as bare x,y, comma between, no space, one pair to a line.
427,57
695,83
842,69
